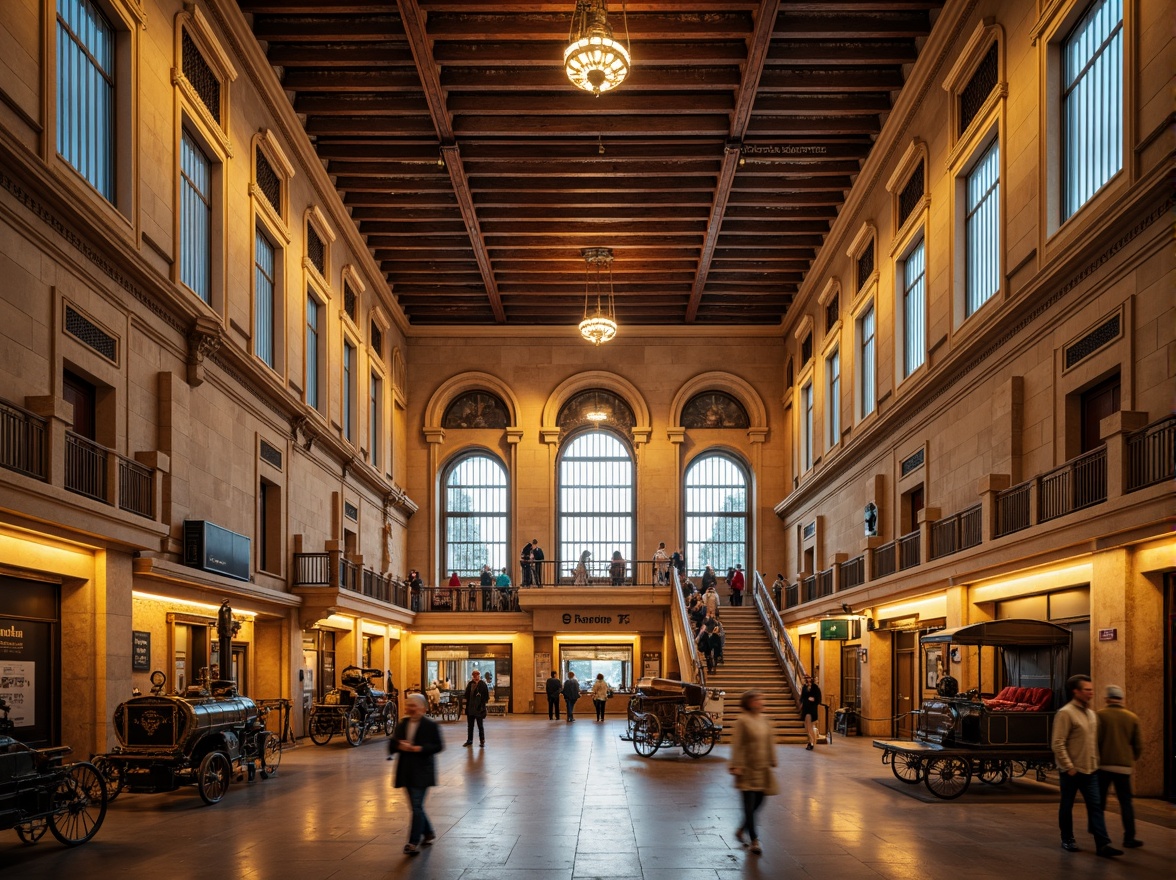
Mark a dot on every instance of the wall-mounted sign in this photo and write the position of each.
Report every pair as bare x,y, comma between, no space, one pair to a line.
212,548
542,670
140,651
1108,635
840,629
651,664
596,619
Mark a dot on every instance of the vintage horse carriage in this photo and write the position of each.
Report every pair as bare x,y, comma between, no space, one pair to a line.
961,736
206,737
38,791
355,709
668,713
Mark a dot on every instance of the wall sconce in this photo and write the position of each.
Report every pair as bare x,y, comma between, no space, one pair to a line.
862,655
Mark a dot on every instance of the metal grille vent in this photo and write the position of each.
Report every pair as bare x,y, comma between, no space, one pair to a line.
90,334
832,312
316,252
1103,334
350,301
911,195
268,181
271,454
865,265
203,80
912,462
978,89
377,339
351,511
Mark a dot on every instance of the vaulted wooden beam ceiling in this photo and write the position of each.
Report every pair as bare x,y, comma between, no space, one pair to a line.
476,172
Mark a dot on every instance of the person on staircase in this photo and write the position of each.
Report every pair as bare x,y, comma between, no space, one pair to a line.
716,635
711,597
736,582
810,704
704,646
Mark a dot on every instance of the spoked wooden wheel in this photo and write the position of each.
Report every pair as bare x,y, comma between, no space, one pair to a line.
948,778
114,773
646,735
355,726
80,801
213,778
994,772
271,754
30,832
906,768
698,735
322,727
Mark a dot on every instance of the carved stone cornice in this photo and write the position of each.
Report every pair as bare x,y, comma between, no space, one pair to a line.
300,432
204,340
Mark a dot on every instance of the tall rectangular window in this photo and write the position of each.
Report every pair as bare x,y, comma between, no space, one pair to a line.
1092,103
312,351
348,389
85,92
833,397
867,376
195,218
914,336
264,274
982,230
806,427
374,422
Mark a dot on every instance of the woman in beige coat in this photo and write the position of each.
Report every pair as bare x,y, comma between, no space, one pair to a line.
753,757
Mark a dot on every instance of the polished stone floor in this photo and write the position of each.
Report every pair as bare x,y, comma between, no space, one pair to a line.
556,801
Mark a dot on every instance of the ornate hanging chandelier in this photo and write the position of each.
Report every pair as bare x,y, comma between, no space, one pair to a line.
600,325
593,60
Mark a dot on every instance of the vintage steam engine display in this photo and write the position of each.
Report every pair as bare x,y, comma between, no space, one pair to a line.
38,791
356,709
207,737
994,737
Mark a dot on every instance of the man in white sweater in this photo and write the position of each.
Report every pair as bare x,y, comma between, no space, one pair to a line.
1075,748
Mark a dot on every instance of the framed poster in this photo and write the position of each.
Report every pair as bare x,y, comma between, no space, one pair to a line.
542,671
934,654
140,651
651,664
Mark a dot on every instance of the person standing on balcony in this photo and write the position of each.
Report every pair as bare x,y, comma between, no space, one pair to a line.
476,699
661,564
554,691
736,583
679,562
486,582
525,562
580,577
454,590
537,558
810,704
616,569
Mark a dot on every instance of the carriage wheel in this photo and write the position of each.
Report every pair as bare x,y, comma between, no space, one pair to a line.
632,715
646,735
906,768
698,735
80,804
995,772
389,720
213,779
948,778
322,727
30,832
1017,769
115,774
355,726
271,754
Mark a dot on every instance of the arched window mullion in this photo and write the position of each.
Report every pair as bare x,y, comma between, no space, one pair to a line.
597,502
475,506
716,510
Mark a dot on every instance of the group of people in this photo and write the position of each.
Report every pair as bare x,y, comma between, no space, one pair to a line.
569,690
531,563
1095,751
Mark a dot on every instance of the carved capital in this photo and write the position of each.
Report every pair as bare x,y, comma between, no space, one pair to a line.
300,432
204,339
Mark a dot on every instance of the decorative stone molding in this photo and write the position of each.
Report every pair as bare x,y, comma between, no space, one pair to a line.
204,340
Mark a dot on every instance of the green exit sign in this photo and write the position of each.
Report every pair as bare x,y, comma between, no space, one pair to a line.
835,630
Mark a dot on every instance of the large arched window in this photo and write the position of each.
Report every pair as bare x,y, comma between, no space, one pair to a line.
596,501
716,514
475,515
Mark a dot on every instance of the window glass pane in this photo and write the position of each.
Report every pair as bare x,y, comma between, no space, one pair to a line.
1092,103
263,292
983,230
913,298
195,218
833,396
475,506
806,427
85,92
312,352
596,502
716,514
375,418
869,387
348,386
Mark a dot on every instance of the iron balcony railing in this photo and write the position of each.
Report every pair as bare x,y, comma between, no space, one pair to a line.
884,561
1151,454
853,572
809,587
314,570
825,582
1012,509
135,492
908,551
957,532
1077,484
85,466
791,595
22,441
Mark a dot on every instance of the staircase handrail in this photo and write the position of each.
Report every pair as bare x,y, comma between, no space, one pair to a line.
778,634
688,659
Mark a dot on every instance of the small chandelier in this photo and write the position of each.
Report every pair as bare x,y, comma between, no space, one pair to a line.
601,325
593,60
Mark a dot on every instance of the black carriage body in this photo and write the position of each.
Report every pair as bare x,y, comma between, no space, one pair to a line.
25,790
162,739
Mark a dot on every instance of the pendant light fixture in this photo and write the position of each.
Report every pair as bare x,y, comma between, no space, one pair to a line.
593,60
600,325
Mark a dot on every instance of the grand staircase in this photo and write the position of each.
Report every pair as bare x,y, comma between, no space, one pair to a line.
750,662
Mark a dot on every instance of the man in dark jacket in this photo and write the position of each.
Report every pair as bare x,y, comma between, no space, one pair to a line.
1120,745
537,557
476,697
554,688
571,693
416,740
525,562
